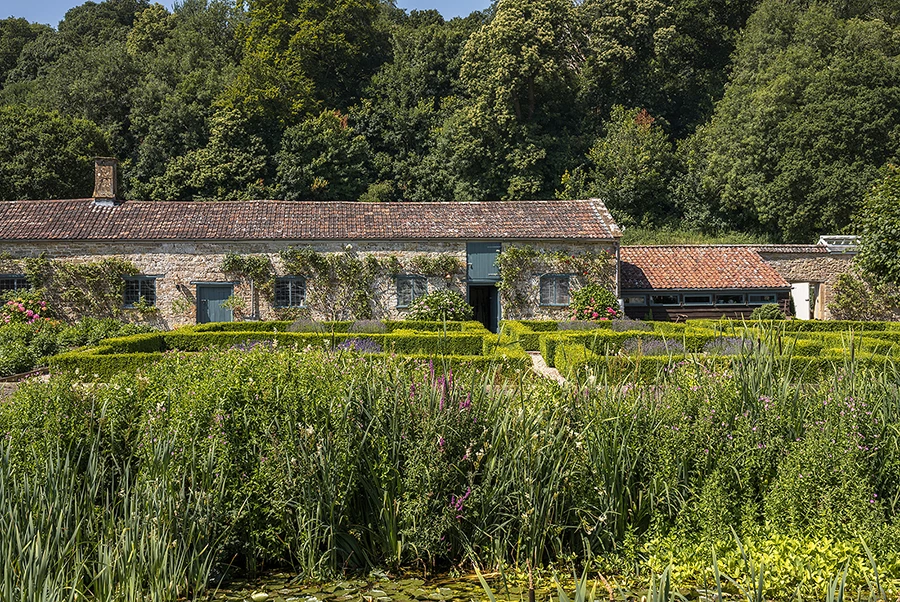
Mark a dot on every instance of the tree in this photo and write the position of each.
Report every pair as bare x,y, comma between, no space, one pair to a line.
668,56
859,296
811,113
879,224
45,155
94,23
15,34
408,100
511,135
187,59
301,54
520,61
629,168
322,159
233,165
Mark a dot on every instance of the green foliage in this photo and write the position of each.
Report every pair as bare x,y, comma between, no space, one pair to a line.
322,158
784,455
257,268
630,168
519,264
879,224
793,146
339,285
441,304
230,166
859,296
770,311
15,33
299,54
440,264
88,289
667,236
594,302
45,155
25,346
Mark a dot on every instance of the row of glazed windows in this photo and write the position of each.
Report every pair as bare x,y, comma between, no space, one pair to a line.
290,291
700,299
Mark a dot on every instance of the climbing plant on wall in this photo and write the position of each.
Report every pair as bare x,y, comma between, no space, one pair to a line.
339,285
519,288
79,289
345,285
257,268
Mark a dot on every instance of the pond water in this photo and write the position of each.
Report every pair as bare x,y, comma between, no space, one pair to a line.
287,588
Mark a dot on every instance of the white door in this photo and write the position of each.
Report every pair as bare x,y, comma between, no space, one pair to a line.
800,296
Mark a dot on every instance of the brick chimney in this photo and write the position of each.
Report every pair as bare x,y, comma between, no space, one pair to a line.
106,181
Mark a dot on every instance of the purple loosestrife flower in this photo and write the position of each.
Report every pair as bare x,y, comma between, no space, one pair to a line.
458,503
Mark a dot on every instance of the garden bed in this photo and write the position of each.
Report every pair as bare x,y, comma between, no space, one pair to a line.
452,345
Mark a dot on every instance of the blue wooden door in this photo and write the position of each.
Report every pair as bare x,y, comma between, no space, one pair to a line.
209,303
483,261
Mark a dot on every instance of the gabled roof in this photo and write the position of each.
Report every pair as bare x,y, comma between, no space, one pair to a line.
697,267
304,220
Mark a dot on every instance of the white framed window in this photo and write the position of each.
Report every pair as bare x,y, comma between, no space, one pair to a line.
555,290
635,300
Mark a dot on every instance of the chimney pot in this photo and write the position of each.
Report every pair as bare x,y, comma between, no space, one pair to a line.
106,181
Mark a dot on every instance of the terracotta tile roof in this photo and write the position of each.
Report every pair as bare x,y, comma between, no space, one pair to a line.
697,267
304,220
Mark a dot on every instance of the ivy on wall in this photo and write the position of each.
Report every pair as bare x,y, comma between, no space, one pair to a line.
77,289
518,265
348,285
257,268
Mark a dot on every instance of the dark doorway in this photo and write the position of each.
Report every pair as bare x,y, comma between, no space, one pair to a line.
485,300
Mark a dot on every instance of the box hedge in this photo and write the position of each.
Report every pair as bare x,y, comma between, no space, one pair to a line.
465,343
608,343
96,366
404,342
342,326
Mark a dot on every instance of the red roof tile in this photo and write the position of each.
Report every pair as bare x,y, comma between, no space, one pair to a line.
697,267
305,220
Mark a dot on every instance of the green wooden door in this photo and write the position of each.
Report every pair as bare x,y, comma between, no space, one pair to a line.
210,298
483,261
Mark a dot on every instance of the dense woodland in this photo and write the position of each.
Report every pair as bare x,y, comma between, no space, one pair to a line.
769,117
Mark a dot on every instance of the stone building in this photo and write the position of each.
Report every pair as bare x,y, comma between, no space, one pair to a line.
193,262
712,281
812,271
383,255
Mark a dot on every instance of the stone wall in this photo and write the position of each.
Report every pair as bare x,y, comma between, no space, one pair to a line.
179,264
817,268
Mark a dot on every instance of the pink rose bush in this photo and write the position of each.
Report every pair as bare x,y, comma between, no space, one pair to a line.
594,303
